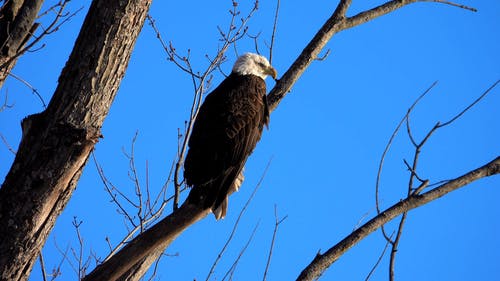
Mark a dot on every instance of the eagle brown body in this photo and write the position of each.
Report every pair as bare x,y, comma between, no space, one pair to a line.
226,130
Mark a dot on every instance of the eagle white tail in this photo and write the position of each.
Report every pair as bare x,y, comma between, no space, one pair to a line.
221,210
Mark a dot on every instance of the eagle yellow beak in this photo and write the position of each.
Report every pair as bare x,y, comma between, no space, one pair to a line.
272,72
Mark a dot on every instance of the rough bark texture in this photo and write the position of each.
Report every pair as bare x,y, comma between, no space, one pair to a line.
56,143
17,19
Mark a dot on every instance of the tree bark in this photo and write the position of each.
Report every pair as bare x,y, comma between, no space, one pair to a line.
17,19
57,142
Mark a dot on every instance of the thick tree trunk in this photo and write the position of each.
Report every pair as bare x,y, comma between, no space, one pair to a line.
17,19
56,143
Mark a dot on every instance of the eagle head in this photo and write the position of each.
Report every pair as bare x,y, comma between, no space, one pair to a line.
254,64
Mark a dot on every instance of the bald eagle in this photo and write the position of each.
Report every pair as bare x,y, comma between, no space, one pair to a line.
228,126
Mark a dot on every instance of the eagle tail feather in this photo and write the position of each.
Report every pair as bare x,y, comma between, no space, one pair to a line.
221,210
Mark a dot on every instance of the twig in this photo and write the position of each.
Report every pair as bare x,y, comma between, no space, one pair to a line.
322,261
146,220
387,243
411,191
64,256
135,179
33,90
256,42
4,140
421,187
79,256
53,27
452,4
386,150
276,225
155,267
323,57
481,97
6,102
111,189
42,267
361,219
394,246
235,226
231,270
413,172
273,36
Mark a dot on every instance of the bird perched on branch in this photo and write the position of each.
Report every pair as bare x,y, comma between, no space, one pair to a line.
225,132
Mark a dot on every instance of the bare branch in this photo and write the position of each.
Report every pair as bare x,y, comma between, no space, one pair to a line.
235,226
113,191
4,140
278,221
154,239
323,57
394,246
256,42
386,150
387,243
452,4
52,27
79,257
33,90
413,174
273,36
145,219
6,102
470,105
231,270
322,261
336,23
42,267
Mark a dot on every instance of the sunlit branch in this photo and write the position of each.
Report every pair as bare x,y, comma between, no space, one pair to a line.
322,261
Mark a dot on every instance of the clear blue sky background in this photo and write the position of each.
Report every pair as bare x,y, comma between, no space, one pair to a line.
325,139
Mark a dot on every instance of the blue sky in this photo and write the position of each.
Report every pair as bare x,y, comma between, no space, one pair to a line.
325,139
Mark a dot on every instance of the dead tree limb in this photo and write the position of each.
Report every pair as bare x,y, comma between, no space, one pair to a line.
322,261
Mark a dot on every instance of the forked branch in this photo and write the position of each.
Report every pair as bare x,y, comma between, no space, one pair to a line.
322,261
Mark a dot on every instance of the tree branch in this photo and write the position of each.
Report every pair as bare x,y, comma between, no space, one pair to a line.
322,261
155,239
336,23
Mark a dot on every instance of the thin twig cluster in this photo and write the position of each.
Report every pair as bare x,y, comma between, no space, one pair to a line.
416,183
201,80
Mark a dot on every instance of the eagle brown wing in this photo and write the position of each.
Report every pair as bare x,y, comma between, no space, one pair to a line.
226,130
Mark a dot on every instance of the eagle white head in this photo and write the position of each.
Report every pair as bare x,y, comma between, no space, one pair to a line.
250,63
